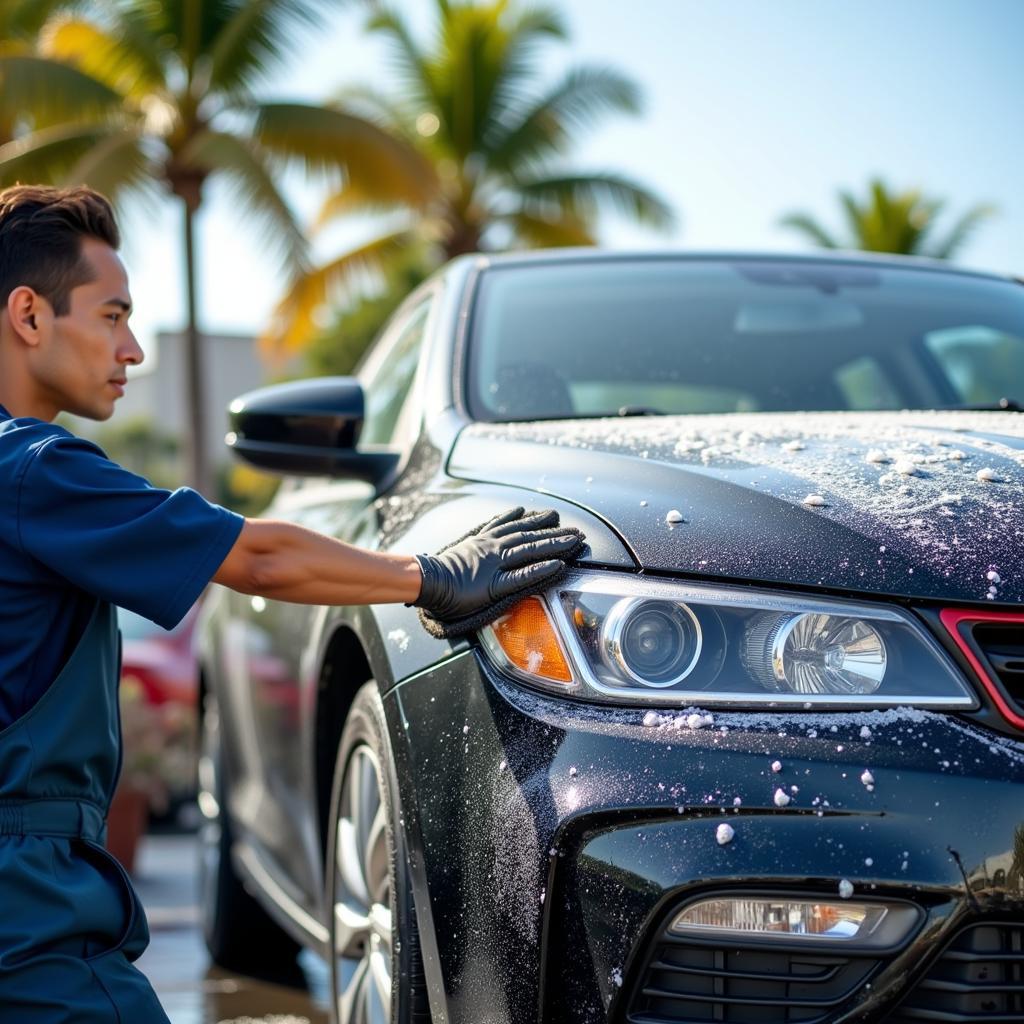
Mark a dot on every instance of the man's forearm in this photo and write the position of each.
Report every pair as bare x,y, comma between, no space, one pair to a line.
285,562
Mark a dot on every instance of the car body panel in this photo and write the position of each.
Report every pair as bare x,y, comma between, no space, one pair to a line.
918,524
508,794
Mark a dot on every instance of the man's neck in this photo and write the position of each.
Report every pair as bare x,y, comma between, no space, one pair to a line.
18,395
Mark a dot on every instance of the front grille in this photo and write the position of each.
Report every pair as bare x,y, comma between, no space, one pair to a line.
979,978
1002,644
689,981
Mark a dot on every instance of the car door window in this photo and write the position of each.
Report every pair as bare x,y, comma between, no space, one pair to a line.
388,384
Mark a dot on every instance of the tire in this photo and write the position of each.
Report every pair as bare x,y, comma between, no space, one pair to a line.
238,932
376,969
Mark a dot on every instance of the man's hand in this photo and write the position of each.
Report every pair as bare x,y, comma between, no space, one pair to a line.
511,553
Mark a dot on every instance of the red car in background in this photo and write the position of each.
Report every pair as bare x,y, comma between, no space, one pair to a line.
163,661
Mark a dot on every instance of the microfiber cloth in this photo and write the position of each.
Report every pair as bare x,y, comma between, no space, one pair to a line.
452,628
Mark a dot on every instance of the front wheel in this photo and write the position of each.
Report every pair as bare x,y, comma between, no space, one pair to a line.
376,967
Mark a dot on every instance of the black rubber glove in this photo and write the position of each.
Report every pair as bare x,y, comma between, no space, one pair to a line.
511,553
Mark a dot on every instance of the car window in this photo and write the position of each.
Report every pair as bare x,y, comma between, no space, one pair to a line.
388,382
865,385
586,338
980,362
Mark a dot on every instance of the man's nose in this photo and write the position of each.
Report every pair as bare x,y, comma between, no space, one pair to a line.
132,351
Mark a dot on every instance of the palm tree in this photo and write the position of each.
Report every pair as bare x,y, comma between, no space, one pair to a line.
20,22
143,97
888,222
489,140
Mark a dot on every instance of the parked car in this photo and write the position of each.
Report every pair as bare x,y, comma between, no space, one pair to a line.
758,757
162,660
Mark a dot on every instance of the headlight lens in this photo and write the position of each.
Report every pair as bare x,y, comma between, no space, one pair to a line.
629,639
816,653
656,643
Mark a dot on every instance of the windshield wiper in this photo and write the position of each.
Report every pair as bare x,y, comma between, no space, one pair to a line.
639,410
1006,404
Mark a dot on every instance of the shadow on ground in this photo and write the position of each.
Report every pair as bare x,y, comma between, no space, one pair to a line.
191,989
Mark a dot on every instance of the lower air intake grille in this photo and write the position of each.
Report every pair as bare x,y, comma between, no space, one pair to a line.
1003,647
692,982
979,978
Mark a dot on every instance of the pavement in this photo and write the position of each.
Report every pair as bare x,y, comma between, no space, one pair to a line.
191,989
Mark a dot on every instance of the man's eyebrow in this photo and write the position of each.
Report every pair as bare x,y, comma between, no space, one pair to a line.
124,304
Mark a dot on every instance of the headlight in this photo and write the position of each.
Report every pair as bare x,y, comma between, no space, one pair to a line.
610,636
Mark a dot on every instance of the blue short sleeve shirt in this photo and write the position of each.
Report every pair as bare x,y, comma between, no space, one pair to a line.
75,526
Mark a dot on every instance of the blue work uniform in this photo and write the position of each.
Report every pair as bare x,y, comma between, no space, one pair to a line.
78,534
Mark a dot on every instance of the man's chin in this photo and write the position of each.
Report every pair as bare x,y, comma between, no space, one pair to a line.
98,413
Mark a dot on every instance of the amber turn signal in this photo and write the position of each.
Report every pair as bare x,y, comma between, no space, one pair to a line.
526,637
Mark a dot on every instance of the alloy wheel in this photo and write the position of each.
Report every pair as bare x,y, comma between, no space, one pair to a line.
362,895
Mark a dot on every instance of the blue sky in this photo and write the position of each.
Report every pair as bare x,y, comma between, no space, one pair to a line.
753,108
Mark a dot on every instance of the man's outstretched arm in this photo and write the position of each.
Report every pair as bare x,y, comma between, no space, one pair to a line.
286,562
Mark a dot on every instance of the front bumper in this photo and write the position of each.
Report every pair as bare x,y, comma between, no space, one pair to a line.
550,840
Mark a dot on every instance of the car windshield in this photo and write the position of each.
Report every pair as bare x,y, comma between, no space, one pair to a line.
606,337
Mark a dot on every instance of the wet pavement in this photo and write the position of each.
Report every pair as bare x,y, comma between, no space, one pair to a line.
191,989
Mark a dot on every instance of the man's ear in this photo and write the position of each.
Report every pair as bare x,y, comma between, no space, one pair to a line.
30,314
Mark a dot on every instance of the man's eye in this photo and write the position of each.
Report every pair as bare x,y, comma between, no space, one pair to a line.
114,317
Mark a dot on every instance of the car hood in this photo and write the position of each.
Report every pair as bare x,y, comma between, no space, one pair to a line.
916,504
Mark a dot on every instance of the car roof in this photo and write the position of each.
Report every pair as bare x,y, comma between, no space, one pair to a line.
832,256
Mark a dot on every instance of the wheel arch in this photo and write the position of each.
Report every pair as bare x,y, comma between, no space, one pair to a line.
344,669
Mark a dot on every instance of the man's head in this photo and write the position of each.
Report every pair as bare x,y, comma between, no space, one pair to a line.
64,303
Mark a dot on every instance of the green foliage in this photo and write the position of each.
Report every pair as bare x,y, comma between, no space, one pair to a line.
145,97
339,348
138,445
244,489
484,143
892,222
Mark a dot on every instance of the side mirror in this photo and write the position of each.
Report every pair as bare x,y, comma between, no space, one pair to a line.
307,427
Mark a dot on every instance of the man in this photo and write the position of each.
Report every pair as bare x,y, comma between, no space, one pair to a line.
78,535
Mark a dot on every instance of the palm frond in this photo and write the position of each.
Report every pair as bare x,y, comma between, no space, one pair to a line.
856,219
52,92
961,231
48,155
409,60
583,195
239,161
124,58
294,321
117,166
255,39
530,231
326,139
23,19
353,199
549,126
807,225
521,34
391,113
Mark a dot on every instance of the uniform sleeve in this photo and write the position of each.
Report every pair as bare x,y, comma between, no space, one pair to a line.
111,533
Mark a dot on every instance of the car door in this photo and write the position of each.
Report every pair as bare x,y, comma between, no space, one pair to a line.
280,658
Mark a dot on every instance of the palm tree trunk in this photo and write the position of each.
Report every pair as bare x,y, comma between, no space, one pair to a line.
198,469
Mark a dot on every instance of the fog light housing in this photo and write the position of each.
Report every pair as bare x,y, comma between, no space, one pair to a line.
872,925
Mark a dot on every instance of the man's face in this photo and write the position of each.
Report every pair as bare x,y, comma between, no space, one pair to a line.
81,366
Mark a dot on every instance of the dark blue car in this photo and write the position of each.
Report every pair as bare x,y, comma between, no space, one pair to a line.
758,758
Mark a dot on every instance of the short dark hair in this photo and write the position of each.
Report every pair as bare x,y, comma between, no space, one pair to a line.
41,232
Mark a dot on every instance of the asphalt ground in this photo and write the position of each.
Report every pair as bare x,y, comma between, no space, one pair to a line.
191,989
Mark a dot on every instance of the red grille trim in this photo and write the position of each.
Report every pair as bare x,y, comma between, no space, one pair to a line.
953,619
